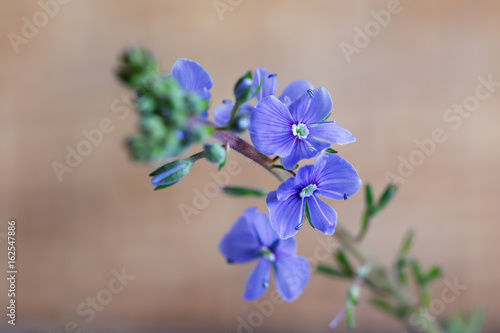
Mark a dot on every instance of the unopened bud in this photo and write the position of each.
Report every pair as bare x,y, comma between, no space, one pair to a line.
171,173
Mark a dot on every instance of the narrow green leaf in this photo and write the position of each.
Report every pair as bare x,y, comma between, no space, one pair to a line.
331,151
417,272
368,196
433,274
343,261
308,215
386,197
406,246
327,270
383,305
241,191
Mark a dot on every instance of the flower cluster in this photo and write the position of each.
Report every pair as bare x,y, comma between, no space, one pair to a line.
292,127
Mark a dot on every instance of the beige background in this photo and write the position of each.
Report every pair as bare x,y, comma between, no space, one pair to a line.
104,215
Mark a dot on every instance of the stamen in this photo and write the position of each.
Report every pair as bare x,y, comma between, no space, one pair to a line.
310,92
308,191
345,196
226,101
268,254
300,130
272,75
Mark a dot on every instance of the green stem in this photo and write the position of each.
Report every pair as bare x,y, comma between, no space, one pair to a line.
380,282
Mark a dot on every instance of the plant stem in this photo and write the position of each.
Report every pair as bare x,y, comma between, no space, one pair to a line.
382,283
244,148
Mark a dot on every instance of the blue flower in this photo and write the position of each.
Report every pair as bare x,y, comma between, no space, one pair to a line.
269,88
292,131
251,238
332,177
192,77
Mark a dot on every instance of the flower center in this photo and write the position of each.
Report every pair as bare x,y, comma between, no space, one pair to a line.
268,254
308,191
300,130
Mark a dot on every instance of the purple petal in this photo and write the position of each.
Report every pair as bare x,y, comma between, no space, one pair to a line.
332,132
294,90
192,77
240,244
304,149
286,216
312,109
222,113
286,247
262,226
338,179
324,217
287,189
306,176
271,127
269,83
258,281
292,275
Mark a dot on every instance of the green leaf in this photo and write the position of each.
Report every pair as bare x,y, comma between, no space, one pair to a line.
417,272
368,196
406,246
241,191
433,274
331,151
327,270
383,305
343,261
308,215
386,197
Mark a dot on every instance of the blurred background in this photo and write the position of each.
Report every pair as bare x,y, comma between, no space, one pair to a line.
100,217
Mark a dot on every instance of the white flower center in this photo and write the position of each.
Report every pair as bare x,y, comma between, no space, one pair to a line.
268,254
300,130
308,191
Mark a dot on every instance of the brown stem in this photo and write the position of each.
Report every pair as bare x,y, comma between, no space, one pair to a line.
378,276
244,148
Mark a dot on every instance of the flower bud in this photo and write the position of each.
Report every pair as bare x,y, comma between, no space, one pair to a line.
244,88
240,123
171,173
215,153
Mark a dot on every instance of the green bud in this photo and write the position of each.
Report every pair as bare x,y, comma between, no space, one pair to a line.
353,294
214,153
240,123
146,104
170,173
153,126
244,89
